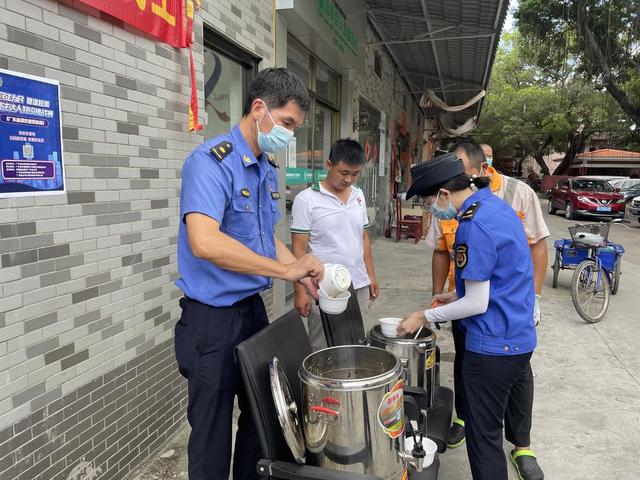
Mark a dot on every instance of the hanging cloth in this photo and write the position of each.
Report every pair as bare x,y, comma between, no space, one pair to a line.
429,98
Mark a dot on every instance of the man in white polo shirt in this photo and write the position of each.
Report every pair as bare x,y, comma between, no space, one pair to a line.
330,218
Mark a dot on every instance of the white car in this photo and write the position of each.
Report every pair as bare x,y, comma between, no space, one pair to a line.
634,208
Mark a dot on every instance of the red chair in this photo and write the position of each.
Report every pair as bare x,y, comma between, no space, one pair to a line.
411,226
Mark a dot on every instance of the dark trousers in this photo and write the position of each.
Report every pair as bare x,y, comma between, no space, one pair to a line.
205,338
458,387
488,383
519,410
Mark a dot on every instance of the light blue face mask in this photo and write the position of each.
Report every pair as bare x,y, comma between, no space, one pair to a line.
490,161
441,214
277,139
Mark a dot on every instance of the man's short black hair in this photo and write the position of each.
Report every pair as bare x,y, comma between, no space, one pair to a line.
347,151
473,150
277,87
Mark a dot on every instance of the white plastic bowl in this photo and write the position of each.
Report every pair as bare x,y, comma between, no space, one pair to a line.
429,447
336,279
333,305
389,326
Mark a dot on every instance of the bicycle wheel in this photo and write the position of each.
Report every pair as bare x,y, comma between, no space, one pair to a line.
615,279
590,291
556,270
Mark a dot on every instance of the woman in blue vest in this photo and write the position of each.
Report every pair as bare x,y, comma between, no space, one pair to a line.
493,301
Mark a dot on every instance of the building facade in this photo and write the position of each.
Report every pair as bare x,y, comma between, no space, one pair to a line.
89,387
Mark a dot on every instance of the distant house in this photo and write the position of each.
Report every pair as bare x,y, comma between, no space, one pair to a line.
606,161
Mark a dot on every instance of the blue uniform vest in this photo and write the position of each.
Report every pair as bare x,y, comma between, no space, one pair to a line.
491,245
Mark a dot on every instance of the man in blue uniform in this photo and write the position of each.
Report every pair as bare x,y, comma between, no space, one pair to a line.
227,255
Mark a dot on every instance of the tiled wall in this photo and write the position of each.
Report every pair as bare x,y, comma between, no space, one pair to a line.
88,381
385,94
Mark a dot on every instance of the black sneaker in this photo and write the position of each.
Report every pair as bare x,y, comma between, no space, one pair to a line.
456,434
526,465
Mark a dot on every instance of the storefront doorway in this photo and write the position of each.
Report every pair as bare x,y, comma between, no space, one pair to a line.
310,149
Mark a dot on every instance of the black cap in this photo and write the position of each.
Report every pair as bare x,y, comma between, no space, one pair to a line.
429,176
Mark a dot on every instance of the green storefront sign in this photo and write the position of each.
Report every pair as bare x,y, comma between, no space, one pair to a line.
301,176
336,20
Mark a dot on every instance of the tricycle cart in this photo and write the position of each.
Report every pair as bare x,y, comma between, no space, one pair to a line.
596,265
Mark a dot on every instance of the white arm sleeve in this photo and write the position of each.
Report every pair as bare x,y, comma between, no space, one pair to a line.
474,302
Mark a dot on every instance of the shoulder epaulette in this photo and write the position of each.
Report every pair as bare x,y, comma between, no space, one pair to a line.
272,161
221,150
470,212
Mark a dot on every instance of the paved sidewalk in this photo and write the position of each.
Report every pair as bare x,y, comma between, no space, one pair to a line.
587,406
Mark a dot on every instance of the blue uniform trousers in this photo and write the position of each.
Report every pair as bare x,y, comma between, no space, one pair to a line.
205,338
489,380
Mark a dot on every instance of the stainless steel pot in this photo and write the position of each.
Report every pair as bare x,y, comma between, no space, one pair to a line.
353,411
417,356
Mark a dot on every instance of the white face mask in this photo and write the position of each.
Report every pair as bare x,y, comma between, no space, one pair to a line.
277,139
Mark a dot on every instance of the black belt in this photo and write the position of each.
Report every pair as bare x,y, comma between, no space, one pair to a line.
189,299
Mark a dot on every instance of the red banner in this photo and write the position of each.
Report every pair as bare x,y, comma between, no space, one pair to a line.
163,19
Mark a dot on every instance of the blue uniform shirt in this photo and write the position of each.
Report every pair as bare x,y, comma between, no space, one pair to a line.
491,245
240,192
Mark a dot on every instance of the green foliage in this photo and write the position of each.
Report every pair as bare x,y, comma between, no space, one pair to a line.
596,39
540,107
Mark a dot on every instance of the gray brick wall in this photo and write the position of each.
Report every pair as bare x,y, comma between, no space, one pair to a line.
247,23
108,425
87,296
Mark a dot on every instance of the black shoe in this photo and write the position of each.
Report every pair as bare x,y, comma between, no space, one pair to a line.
526,465
456,434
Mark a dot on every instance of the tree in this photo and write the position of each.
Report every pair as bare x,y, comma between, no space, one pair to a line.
543,109
522,107
601,36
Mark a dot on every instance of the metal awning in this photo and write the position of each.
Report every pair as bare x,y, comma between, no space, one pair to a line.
447,46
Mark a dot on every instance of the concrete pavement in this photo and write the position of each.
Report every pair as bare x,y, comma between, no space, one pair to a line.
587,405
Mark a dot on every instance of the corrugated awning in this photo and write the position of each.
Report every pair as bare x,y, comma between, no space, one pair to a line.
447,46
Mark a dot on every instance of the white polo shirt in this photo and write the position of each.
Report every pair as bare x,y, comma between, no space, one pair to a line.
335,229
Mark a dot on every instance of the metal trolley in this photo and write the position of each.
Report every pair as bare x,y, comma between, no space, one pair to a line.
596,265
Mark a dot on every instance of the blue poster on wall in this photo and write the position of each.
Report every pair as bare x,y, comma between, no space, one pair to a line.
31,161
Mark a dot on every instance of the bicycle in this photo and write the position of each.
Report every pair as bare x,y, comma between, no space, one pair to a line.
596,264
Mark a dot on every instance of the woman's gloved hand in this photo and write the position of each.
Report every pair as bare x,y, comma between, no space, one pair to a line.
537,314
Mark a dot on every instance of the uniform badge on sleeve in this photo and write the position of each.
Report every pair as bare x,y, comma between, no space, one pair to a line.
462,256
275,195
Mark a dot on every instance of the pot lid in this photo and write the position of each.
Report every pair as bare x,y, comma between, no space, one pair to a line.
287,411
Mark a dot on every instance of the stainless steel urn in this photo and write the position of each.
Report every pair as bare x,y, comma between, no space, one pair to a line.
417,356
353,411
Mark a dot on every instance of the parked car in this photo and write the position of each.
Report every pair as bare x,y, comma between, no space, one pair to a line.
617,181
590,196
630,188
634,208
